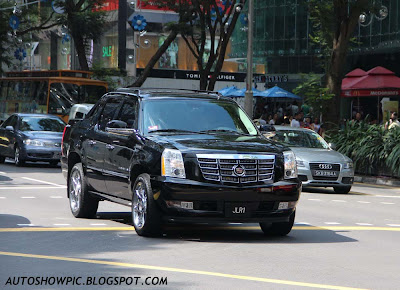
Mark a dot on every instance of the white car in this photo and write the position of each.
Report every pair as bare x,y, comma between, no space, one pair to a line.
79,111
318,165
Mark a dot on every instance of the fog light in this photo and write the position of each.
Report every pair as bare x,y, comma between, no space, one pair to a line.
287,205
179,204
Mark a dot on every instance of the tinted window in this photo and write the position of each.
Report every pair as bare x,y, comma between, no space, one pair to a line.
295,138
7,122
128,114
40,123
108,113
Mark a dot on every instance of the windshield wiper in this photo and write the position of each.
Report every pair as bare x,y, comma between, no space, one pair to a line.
173,130
223,131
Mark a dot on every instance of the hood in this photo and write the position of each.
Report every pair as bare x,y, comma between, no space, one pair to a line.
43,135
219,142
319,155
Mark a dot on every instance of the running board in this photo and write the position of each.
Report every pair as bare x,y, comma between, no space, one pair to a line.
111,198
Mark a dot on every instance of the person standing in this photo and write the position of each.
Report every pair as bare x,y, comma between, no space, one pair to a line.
295,122
395,122
274,120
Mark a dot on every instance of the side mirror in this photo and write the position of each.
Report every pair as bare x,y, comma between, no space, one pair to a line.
10,128
114,124
332,146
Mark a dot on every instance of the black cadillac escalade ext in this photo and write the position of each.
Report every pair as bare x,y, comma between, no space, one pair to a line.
178,155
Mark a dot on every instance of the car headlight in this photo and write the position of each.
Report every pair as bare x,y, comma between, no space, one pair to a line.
348,165
172,164
290,165
300,163
33,142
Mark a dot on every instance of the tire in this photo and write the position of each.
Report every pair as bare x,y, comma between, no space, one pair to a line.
53,163
17,157
146,216
342,189
82,204
278,229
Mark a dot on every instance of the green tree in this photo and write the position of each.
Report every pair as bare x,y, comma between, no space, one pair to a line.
84,22
334,24
206,26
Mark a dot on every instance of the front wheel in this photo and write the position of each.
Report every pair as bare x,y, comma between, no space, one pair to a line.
342,189
82,204
146,216
17,157
278,229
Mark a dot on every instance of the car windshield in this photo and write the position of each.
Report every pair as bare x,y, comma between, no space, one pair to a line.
195,116
41,124
297,138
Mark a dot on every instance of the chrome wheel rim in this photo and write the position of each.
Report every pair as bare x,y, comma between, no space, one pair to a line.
16,156
139,206
75,190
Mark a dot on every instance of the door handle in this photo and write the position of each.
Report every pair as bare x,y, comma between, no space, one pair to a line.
91,142
110,147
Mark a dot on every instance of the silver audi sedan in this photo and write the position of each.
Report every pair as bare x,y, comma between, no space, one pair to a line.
318,165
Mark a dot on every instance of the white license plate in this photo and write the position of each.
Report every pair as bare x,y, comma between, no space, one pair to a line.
325,173
186,205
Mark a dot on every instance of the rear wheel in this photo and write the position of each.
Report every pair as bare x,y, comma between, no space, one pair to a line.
146,216
342,189
82,204
278,229
17,157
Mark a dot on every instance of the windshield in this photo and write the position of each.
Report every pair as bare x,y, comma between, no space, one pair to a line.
64,95
294,138
41,124
196,115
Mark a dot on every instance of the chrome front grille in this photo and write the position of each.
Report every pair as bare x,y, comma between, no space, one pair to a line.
236,168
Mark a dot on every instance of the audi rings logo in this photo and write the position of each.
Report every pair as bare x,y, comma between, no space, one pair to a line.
239,170
325,166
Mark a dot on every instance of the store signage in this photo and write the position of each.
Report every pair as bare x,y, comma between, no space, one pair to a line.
371,93
108,50
272,79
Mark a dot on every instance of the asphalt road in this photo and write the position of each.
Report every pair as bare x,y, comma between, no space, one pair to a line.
338,242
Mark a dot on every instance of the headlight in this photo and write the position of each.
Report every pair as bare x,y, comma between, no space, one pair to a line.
172,164
300,163
33,142
290,165
348,165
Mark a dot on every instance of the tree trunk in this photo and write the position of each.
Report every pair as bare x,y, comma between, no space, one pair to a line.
203,79
152,62
81,51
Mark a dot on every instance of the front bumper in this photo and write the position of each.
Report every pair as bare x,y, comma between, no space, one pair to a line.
345,178
34,153
214,203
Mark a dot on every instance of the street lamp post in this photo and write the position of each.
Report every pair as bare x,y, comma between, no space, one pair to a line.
248,101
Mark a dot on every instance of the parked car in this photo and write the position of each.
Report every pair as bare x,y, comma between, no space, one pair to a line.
31,137
318,164
79,111
178,155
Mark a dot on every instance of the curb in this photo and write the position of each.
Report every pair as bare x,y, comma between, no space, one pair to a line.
377,180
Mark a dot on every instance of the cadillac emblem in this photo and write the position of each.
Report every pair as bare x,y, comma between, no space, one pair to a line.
239,170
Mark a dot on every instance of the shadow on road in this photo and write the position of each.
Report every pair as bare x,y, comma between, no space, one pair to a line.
12,221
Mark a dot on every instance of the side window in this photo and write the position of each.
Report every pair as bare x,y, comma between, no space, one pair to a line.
6,123
128,114
13,121
108,113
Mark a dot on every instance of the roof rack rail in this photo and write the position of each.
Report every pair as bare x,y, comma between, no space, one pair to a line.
169,90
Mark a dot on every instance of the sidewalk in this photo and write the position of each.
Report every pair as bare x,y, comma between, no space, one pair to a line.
379,180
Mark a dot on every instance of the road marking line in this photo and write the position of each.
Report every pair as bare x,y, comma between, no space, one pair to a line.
28,197
98,224
364,201
61,224
332,223
177,270
130,228
45,182
314,199
56,196
2,197
26,225
338,200
364,224
387,202
393,225
1,172
301,223
31,187
391,196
